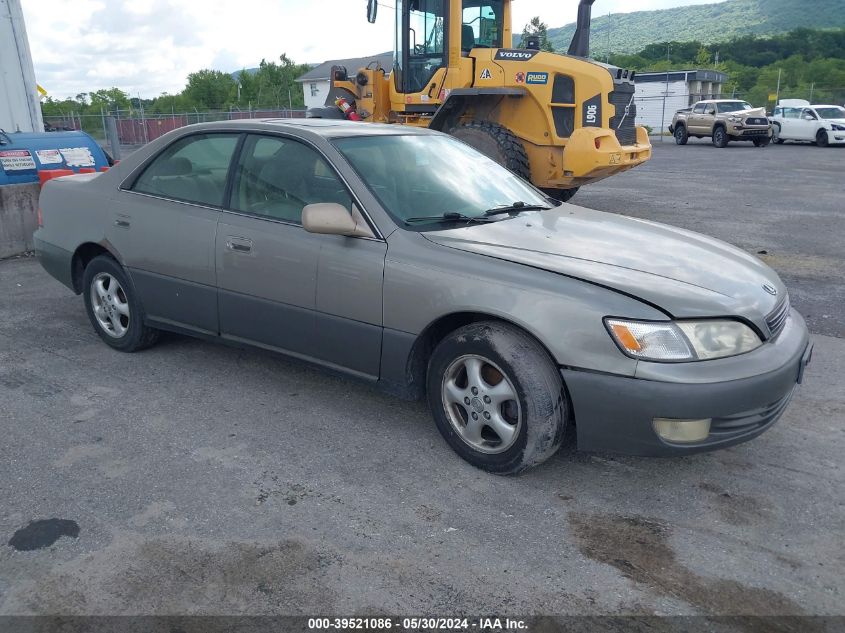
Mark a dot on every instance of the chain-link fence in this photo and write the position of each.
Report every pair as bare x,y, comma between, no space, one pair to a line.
135,127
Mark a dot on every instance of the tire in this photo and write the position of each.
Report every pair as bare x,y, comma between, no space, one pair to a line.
761,142
776,134
496,372
822,139
681,135
496,142
114,308
564,195
720,137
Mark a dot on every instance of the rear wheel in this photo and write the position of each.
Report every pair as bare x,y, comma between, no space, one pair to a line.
681,135
496,397
496,142
821,138
720,137
113,308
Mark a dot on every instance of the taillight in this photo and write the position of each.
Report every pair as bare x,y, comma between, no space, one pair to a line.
40,217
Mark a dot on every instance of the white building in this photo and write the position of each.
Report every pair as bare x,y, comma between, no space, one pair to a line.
682,88
316,82
20,108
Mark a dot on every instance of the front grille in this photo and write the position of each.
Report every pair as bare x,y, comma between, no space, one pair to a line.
756,121
755,133
741,423
776,320
624,125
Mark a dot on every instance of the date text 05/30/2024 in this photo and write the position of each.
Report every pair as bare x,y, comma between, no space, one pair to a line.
504,625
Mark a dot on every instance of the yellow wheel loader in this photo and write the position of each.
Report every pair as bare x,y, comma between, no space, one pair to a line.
560,121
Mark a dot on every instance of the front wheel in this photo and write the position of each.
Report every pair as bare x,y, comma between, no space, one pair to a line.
822,139
776,134
681,135
112,307
720,137
496,397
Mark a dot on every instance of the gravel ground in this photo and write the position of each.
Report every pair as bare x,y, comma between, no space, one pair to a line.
200,479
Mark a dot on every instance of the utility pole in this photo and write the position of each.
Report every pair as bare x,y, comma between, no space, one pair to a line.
812,89
777,92
665,94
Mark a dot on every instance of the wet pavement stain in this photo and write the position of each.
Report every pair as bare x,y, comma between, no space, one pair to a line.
639,548
43,533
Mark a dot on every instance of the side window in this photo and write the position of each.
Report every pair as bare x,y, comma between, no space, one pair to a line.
698,109
809,113
193,169
709,108
276,177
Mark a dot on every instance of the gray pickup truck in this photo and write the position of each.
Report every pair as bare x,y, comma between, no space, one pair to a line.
723,120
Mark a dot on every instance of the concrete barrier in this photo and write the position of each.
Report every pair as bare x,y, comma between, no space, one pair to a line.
18,217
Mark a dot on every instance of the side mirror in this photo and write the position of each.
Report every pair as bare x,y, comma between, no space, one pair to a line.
808,118
331,218
372,11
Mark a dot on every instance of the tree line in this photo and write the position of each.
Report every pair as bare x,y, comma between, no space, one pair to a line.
271,86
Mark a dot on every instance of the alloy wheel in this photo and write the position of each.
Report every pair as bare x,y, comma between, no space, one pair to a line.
110,305
481,404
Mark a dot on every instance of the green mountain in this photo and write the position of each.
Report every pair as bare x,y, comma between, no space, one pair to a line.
706,23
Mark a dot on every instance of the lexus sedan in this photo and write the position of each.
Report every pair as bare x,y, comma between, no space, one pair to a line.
405,258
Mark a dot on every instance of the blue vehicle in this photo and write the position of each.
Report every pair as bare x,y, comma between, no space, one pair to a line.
24,154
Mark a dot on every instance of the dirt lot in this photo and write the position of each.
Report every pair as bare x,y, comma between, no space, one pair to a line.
196,478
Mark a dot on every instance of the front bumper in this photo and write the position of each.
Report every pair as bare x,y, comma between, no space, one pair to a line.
744,395
836,137
750,131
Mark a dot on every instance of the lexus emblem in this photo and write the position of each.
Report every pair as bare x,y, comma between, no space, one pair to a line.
770,289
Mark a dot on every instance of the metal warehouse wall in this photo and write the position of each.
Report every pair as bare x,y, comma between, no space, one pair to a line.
19,105
649,100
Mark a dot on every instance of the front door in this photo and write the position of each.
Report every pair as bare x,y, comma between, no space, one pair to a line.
315,296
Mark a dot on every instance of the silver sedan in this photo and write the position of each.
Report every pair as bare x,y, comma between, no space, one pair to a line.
407,259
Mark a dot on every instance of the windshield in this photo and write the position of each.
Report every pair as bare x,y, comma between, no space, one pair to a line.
733,106
426,176
832,112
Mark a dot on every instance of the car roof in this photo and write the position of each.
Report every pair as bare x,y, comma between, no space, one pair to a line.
722,101
326,128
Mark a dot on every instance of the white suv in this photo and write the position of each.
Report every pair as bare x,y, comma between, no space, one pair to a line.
797,120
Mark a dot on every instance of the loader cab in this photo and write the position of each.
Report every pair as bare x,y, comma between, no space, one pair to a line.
427,32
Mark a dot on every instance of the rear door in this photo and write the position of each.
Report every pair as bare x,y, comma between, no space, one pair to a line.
164,223
694,119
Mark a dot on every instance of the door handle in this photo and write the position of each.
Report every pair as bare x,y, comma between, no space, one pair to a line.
239,244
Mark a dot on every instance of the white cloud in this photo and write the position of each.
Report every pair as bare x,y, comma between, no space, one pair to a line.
149,47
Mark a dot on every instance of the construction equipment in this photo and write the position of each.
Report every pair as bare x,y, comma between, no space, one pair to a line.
560,121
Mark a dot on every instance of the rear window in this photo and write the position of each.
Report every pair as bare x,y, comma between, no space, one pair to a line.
192,169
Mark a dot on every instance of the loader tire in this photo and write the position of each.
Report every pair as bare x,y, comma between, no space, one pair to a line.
496,142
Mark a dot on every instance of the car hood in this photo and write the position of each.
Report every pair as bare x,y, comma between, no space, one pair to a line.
683,273
837,121
756,112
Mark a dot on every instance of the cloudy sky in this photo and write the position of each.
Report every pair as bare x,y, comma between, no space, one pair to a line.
148,47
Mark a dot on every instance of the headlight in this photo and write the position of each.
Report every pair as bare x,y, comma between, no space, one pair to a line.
735,119
839,128
682,340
